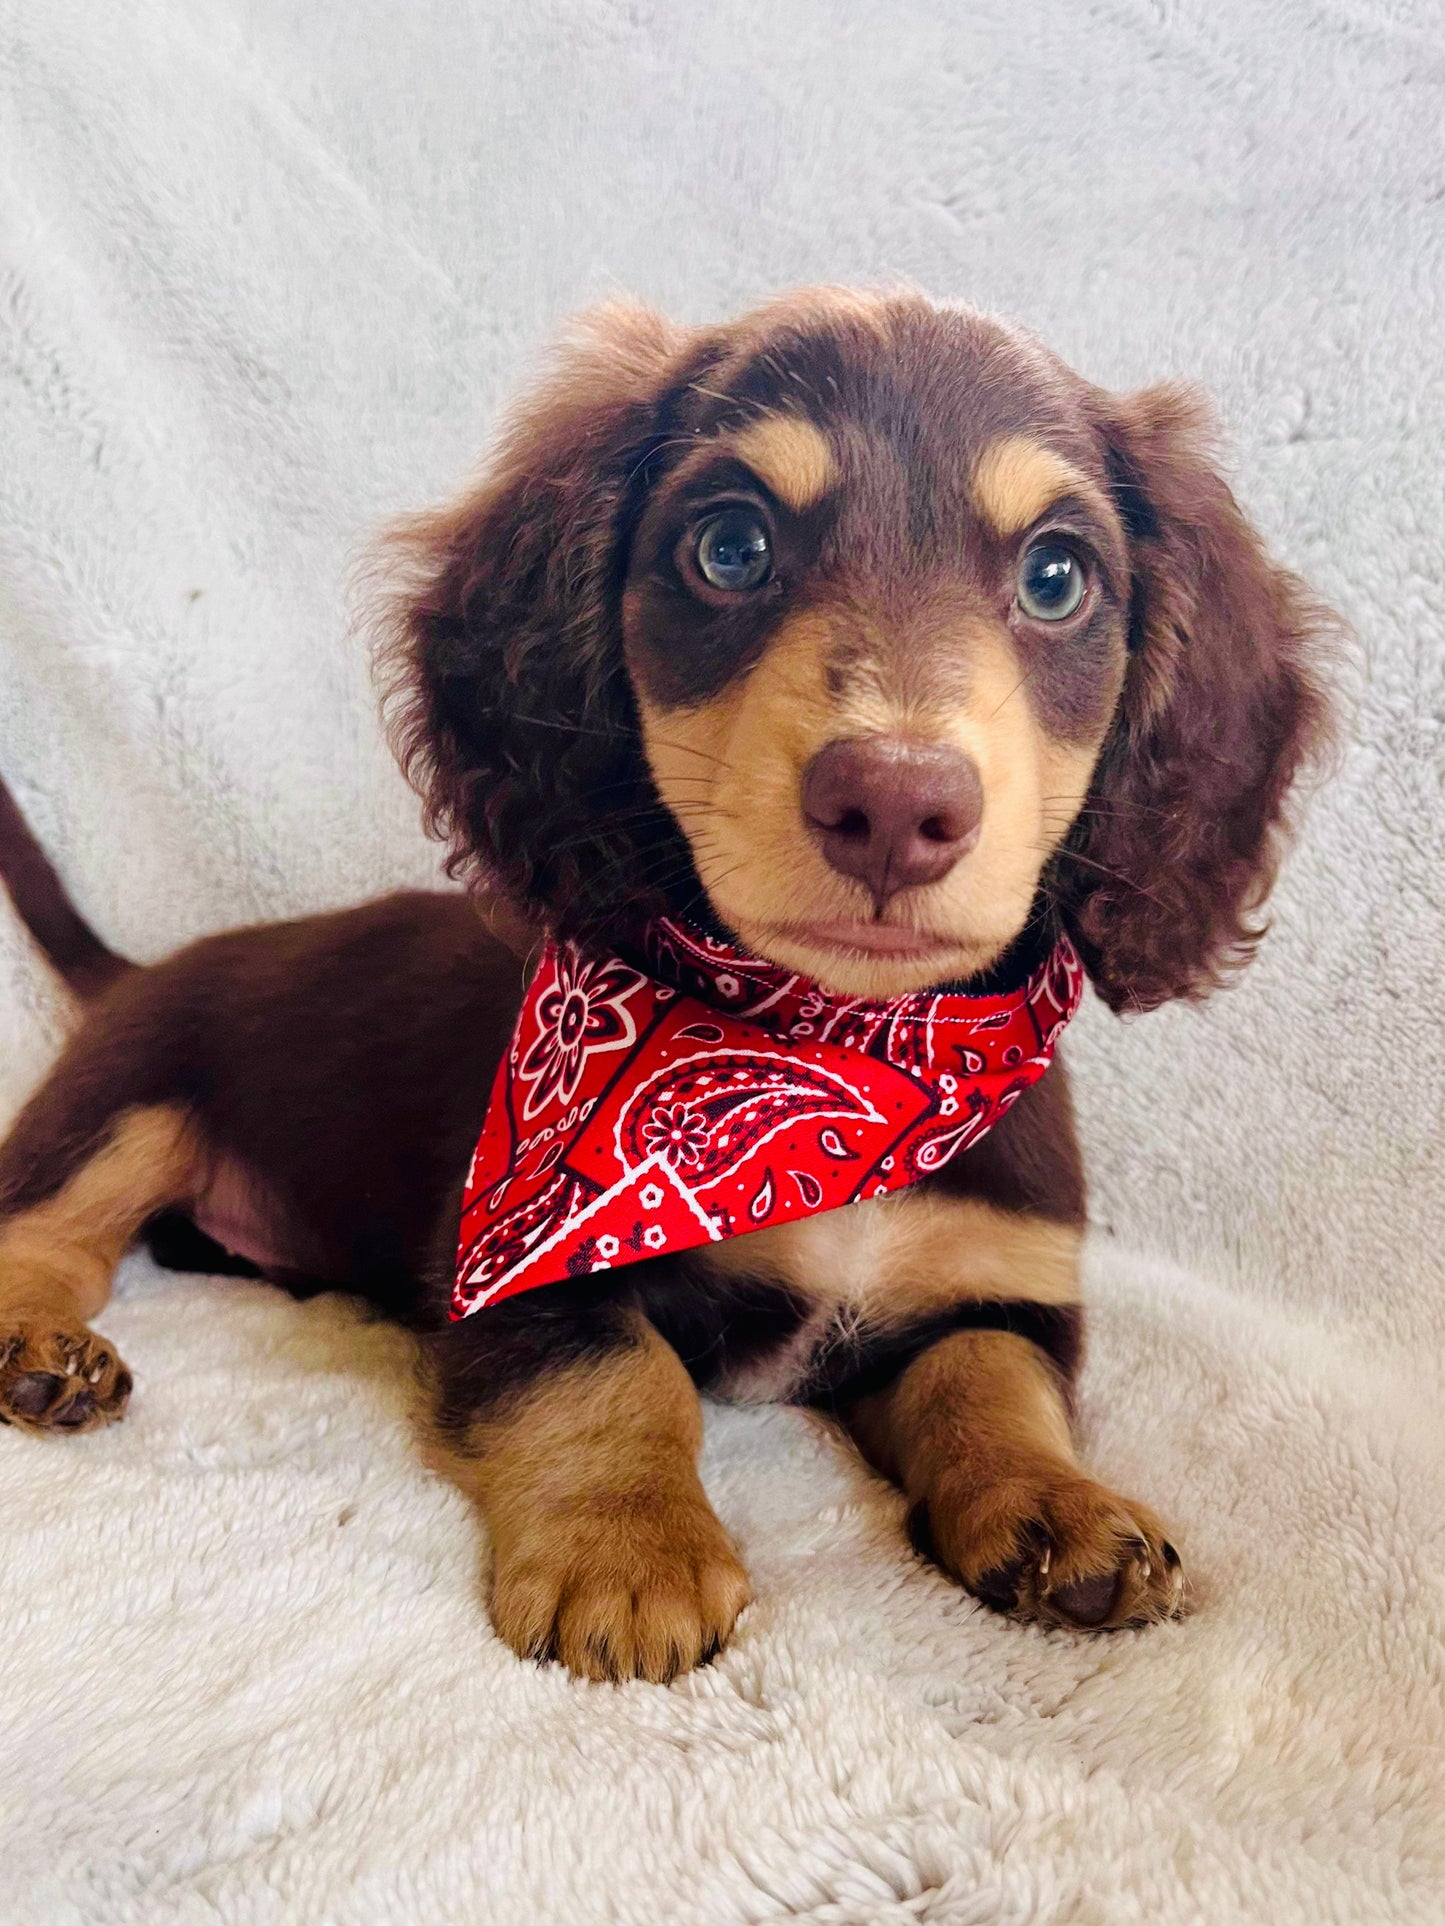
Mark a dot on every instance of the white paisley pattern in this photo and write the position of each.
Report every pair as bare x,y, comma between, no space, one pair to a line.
584,1013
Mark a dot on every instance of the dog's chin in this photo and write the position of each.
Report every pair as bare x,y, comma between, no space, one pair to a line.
870,959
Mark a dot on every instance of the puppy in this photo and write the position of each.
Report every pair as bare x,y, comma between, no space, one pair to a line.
865,635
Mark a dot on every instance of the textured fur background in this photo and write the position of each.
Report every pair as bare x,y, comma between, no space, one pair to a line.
265,273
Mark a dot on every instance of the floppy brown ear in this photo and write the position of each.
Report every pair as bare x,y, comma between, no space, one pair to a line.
1178,842
501,654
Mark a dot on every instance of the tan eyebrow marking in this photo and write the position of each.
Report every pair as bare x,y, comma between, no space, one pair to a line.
1016,479
789,455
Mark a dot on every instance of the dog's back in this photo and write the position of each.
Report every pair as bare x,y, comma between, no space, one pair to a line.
289,1099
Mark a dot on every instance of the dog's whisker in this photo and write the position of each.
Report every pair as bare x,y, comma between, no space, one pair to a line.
735,401
637,814
1075,856
1024,678
1114,806
659,448
694,749
715,883
640,779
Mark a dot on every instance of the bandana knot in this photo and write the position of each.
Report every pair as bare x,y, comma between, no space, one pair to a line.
703,1093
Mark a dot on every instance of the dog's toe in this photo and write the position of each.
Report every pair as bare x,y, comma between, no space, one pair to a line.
60,1380
1056,1547
621,1598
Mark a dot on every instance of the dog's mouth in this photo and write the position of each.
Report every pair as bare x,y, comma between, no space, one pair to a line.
869,959
868,939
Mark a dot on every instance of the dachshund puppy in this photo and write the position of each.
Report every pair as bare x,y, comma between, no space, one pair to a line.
868,637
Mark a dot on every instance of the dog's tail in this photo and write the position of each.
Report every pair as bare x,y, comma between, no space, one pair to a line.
71,946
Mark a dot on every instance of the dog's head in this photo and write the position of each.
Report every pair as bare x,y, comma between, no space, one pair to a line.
872,626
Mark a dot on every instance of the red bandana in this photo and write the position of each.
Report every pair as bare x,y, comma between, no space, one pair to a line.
717,1094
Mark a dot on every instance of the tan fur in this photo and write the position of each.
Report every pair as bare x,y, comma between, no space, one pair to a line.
59,1257
789,455
890,1261
912,1253
1016,479
976,1432
57,1260
731,770
607,1554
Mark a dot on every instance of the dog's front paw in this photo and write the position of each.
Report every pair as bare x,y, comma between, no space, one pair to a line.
1052,1545
60,1380
632,1588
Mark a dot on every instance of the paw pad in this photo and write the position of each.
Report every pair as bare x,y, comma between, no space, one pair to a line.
60,1380
1062,1550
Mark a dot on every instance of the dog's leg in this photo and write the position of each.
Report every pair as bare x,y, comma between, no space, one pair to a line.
65,1220
578,1438
976,1431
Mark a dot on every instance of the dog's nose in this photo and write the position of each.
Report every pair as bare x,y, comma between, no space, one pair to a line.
894,814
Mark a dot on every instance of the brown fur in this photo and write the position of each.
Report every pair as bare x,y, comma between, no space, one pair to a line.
599,734
79,956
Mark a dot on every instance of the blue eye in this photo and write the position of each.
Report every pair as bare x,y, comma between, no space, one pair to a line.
734,551
1051,582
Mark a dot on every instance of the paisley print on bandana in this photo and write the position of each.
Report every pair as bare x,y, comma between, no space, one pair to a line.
647,1110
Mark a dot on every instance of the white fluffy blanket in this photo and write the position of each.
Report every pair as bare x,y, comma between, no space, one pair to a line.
265,271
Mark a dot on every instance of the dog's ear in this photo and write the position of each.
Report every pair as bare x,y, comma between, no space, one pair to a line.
501,655
1176,847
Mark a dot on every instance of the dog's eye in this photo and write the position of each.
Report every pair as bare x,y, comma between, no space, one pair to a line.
1051,582
734,551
